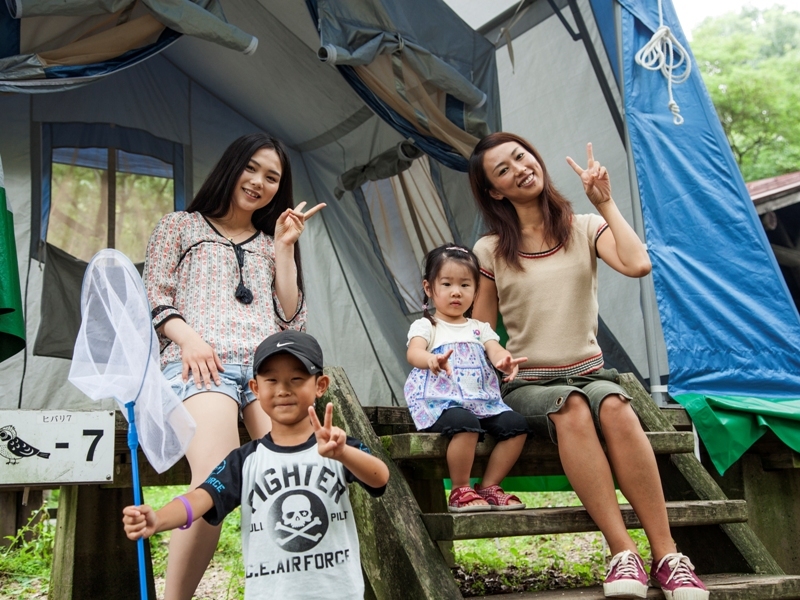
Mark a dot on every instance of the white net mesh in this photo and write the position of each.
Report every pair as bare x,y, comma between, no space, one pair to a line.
116,355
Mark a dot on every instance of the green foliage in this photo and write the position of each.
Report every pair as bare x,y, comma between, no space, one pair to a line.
79,212
750,62
25,563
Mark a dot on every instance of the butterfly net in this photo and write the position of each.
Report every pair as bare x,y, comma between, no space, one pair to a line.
116,355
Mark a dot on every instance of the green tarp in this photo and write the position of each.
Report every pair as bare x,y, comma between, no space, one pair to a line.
12,324
729,425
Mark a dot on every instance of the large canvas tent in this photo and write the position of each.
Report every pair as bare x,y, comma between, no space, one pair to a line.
387,158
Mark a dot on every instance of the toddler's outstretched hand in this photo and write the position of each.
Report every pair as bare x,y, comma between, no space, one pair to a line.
510,366
139,521
331,440
440,362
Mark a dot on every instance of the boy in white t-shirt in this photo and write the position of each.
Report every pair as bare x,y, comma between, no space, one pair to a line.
297,522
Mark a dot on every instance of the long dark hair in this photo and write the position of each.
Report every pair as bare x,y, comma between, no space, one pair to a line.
501,216
436,259
216,194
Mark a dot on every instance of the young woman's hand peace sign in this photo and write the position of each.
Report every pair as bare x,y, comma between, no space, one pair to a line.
596,182
292,221
331,441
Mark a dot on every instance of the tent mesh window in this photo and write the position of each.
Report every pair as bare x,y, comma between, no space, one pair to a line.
406,220
102,187
106,198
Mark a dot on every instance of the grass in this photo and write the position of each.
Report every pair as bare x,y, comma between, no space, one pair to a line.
25,562
503,564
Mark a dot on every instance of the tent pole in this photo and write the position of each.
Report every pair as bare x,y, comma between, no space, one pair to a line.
646,289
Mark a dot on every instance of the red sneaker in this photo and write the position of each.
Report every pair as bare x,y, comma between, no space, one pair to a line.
626,577
675,575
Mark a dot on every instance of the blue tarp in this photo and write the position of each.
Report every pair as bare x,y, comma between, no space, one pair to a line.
731,329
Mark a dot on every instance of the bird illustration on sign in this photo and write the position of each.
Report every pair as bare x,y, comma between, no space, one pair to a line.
13,448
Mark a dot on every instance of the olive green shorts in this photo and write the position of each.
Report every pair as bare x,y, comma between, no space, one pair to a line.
535,400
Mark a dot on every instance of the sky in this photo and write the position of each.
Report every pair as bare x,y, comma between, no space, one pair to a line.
690,12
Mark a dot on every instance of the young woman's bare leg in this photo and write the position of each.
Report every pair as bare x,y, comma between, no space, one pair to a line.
635,467
588,470
256,420
217,433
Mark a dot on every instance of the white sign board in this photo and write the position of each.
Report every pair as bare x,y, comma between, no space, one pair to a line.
56,446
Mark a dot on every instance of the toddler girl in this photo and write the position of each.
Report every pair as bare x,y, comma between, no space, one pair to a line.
454,391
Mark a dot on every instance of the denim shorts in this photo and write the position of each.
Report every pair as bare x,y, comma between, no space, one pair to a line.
536,399
234,382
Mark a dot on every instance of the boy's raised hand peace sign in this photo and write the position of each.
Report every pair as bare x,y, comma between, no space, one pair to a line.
292,221
331,441
596,182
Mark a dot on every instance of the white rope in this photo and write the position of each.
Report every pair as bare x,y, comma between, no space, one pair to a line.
659,54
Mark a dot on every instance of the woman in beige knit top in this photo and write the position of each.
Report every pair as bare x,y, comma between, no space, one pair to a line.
539,267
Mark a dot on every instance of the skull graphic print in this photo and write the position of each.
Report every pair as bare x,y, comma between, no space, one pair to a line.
298,520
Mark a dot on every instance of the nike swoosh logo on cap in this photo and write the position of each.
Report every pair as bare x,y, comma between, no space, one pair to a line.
284,344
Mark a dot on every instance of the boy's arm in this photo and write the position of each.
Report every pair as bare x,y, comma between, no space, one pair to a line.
332,443
142,521
368,469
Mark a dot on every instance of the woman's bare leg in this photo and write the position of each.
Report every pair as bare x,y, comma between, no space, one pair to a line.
217,433
256,420
588,470
634,464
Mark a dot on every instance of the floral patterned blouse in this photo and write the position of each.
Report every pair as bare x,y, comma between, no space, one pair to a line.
192,272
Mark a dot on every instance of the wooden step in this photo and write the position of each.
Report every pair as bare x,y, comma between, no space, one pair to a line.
539,521
425,453
722,587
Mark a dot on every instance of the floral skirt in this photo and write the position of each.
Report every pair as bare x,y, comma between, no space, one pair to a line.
473,386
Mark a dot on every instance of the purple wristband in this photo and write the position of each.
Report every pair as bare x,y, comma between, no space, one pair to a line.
189,515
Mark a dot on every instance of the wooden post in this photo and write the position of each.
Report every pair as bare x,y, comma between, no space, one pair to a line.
398,556
92,557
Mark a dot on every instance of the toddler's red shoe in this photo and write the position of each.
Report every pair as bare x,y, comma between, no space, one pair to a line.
626,577
675,575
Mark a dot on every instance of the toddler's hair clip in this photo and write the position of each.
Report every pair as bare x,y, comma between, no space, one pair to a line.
465,251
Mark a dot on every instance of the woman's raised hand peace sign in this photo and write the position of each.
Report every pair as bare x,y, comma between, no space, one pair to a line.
596,182
292,221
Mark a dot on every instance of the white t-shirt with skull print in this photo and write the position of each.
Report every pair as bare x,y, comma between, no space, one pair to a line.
299,536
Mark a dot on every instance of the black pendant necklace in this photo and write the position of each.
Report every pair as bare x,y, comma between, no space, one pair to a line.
243,293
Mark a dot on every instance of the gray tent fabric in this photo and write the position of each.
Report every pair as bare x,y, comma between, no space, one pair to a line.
61,309
385,165
202,97
452,59
61,306
203,19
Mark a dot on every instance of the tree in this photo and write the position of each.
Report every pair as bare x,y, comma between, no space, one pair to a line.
750,63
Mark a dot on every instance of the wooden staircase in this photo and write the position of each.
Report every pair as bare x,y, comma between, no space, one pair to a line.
406,537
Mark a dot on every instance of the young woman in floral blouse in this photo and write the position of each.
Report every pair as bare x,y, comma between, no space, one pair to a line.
220,278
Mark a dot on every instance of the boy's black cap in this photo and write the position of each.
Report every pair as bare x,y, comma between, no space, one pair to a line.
297,343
